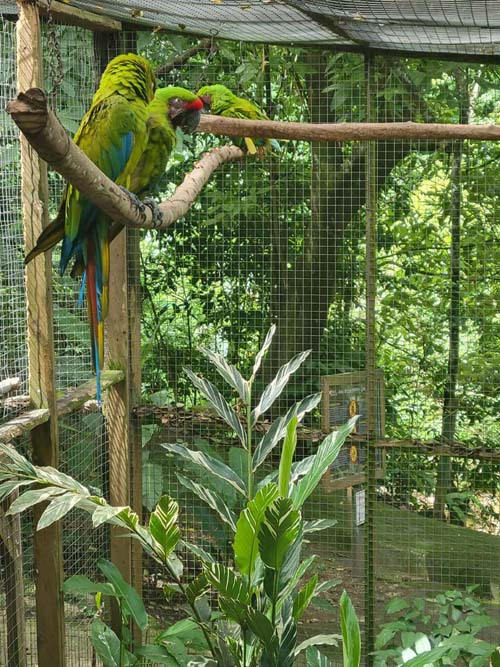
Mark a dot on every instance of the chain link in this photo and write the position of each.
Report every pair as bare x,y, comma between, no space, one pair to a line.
56,70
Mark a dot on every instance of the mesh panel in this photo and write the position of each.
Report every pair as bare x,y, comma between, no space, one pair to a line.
282,239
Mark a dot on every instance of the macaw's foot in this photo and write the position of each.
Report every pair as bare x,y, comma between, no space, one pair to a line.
134,200
155,211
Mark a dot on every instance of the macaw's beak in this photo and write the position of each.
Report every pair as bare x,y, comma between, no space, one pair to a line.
207,101
186,115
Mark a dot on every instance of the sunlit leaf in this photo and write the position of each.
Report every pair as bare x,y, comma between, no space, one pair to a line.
262,352
130,598
209,463
229,372
325,456
219,403
57,509
211,499
246,539
163,525
351,638
276,386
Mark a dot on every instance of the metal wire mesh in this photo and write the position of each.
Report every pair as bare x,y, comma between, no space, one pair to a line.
282,239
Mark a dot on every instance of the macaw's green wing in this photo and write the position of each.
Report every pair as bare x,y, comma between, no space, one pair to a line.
112,135
154,158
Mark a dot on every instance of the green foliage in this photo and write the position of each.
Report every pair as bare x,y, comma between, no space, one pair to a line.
437,632
252,620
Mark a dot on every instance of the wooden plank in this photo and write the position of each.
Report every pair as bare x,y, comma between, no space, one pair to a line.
117,406
44,438
75,398
23,424
13,585
79,17
8,385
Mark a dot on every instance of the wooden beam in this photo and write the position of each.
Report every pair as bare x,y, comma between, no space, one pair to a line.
118,407
8,385
75,398
23,424
72,401
82,18
44,438
13,584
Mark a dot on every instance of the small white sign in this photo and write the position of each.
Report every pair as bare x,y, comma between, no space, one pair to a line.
359,502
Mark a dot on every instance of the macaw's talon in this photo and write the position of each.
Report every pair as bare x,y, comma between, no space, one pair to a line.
155,211
134,200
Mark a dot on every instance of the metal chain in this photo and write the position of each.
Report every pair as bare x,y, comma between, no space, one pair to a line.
56,69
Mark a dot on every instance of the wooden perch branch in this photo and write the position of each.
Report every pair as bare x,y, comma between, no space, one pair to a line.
8,385
44,132
266,129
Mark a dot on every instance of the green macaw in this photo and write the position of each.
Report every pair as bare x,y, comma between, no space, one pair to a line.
220,101
113,135
172,107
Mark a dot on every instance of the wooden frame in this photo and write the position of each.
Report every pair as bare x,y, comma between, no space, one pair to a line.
44,438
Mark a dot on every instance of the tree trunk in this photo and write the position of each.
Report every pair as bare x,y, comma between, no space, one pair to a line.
303,293
450,401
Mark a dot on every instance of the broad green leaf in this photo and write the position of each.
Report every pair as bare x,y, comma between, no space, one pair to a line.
50,475
326,585
397,604
303,597
230,374
163,525
318,640
246,539
426,659
212,465
157,654
351,639
278,428
316,659
286,459
81,584
57,509
130,598
219,403
30,498
152,484
262,628
233,592
319,524
108,647
188,632
276,386
278,531
198,587
288,639
6,488
213,501
325,456
18,461
203,555
293,574
261,353
105,513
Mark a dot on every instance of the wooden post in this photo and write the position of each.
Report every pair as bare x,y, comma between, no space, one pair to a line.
44,439
12,580
125,451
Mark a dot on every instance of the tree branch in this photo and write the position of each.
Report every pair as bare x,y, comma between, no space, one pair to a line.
181,59
265,129
48,137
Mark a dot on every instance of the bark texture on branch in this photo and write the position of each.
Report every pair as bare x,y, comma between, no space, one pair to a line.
48,137
265,129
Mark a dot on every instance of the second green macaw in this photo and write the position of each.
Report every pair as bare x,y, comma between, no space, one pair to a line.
221,101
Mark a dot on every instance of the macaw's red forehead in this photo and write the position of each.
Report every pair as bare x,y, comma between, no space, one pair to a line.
195,105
